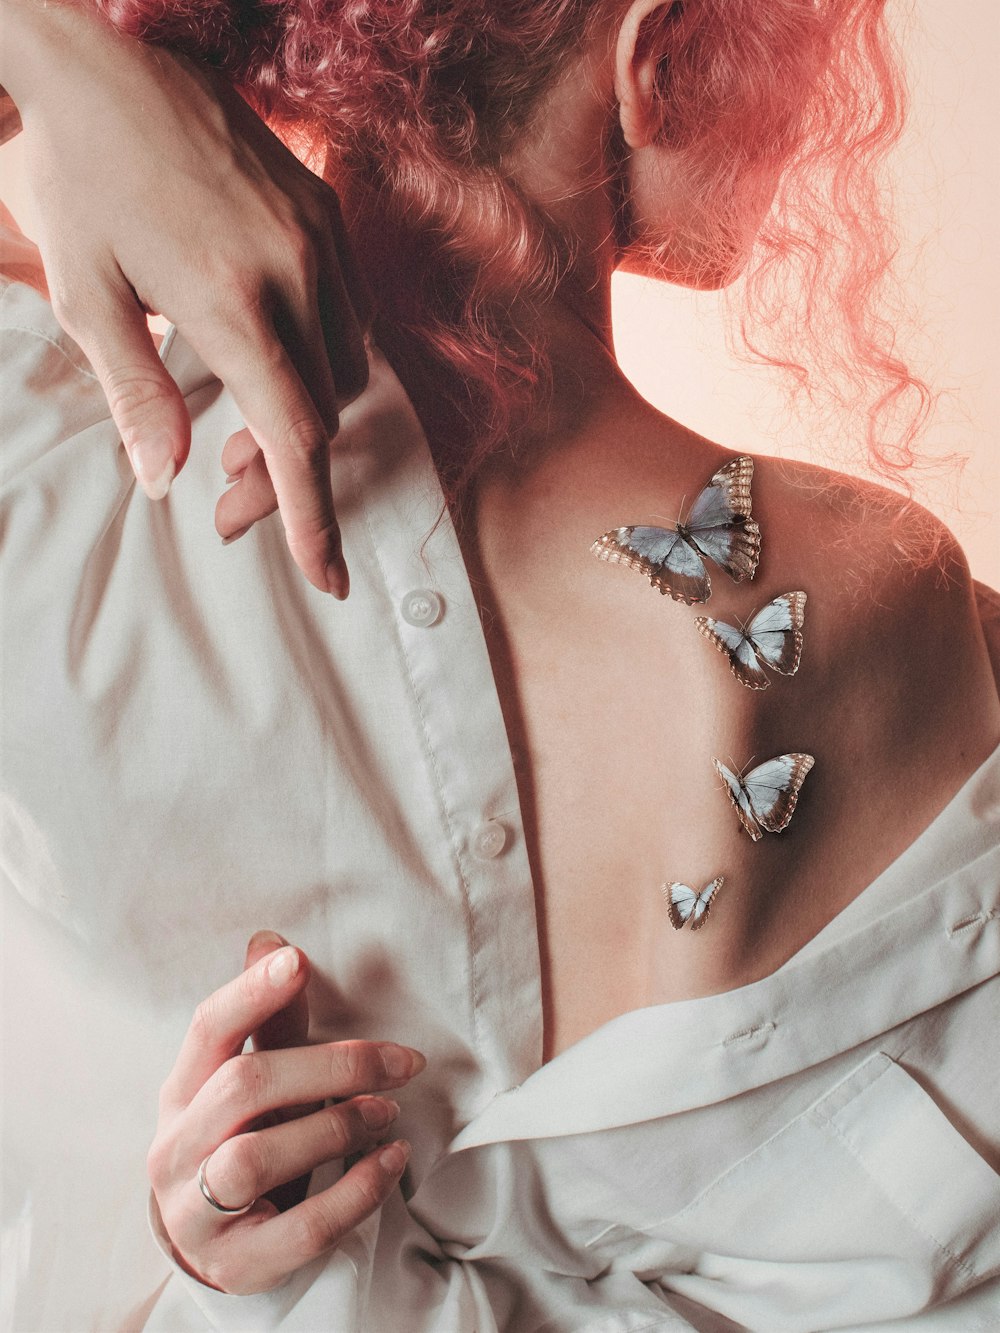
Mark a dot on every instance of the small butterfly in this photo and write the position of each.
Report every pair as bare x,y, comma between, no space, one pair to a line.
765,798
773,638
718,528
683,904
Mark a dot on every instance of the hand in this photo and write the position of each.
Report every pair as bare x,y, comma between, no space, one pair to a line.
212,1105
159,190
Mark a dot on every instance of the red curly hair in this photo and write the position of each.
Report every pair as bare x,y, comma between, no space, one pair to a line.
416,101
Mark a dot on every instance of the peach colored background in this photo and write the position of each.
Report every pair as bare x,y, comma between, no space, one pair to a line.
947,182
947,174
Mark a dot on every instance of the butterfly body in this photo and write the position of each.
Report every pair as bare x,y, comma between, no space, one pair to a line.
765,798
718,528
772,637
685,905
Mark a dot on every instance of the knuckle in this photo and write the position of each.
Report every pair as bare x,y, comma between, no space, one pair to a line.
369,1187
305,443
356,1064
131,389
203,1021
298,247
342,1129
319,1229
240,1165
235,296
158,1163
241,1081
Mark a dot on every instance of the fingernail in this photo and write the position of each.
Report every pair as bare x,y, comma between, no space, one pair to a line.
394,1157
282,966
154,465
401,1061
338,581
377,1112
266,939
235,536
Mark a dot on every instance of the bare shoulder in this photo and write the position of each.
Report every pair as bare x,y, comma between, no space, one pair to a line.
892,609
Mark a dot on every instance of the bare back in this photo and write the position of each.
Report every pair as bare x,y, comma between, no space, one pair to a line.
616,707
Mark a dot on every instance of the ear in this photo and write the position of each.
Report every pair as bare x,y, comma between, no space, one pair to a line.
636,61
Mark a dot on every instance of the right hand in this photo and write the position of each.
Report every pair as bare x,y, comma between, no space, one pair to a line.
214,1098
159,190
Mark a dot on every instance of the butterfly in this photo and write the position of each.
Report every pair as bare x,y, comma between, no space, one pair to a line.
765,798
718,528
772,638
683,904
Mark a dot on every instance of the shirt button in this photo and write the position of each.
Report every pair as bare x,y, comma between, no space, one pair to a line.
421,608
489,840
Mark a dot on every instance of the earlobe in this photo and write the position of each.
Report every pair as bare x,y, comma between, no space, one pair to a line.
636,63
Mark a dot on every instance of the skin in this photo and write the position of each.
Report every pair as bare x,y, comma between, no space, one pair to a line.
260,1120
250,262
614,704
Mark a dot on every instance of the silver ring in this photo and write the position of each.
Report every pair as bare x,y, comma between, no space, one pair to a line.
210,1197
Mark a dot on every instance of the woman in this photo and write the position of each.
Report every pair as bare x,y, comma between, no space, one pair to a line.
461,792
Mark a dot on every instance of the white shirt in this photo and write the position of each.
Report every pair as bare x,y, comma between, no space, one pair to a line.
197,745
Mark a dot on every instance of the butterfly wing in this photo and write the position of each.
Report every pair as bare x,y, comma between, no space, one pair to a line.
776,632
743,659
703,902
683,904
670,562
772,789
720,525
681,901
740,799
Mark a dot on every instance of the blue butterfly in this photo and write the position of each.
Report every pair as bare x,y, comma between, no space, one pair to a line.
683,904
765,798
718,528
773,637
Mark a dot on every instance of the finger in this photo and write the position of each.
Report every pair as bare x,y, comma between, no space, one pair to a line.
270,1250
248,1166
289,1026
358,291
298,323
281,416
249,1086
247,501
146,405
238,452
342,334
223,1023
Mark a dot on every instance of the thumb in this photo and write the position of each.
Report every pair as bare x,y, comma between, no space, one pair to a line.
289,1026
146,404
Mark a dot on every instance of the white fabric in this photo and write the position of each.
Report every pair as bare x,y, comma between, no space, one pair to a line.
196,745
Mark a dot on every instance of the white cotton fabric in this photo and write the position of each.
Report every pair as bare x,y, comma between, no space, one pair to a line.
196,744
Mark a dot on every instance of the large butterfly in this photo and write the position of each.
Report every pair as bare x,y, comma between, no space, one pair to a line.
718,528
683,904
773,638
765,798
